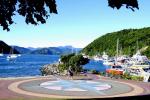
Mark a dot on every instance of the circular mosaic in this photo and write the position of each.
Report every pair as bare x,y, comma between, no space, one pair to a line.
60,88
75,85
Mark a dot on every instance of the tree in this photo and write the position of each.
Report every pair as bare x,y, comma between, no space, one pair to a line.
127,41
131,4
34,10
75,61
65,58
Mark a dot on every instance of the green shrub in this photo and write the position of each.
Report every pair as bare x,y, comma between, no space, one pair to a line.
137,78
126,76
62,67
102,73
94,72
74,61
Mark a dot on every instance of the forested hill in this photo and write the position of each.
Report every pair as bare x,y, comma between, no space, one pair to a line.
129,41
5,49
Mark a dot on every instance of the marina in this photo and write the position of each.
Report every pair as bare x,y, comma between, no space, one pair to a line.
74,49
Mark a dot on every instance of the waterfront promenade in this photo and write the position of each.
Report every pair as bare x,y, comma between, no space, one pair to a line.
28,88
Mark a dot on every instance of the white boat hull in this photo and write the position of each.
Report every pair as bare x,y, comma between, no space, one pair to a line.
10,57
1,54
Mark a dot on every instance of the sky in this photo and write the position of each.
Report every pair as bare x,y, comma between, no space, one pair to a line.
78,23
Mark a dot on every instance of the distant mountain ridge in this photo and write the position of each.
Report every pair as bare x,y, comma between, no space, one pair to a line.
129,41
22,50
5,49
61,50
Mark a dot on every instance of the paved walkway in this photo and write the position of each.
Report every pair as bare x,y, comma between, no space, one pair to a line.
139,88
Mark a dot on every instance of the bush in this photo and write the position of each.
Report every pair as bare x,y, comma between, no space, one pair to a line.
75,61
131,77
62,67
102,73
94,72
137,78
126,76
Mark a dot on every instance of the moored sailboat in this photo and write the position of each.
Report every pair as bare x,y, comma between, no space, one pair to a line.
11,56
1,54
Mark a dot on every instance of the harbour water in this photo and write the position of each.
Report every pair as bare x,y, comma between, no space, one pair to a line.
29,65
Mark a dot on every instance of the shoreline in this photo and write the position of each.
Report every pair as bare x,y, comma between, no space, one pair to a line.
23,77
48,76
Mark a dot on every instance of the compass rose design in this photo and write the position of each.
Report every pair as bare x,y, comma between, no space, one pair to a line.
75,85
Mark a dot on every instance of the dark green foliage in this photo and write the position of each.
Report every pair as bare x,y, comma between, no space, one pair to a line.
7,9
63,67
94,72
131,4
75,61
147,52
65,58
65,62
131,77
34,11
125,76
127,42
5,49
78,60
102,73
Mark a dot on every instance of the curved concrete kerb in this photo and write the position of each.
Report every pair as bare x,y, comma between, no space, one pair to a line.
15,88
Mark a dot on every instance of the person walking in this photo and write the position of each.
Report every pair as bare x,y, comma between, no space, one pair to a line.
70,72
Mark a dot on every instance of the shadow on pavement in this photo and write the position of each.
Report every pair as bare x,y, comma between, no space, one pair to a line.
145,97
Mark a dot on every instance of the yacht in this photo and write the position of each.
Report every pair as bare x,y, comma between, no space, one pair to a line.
108,62
138,70
11,56
104,56
1,54
97,58
138,59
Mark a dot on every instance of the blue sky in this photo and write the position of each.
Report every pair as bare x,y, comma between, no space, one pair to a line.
77,23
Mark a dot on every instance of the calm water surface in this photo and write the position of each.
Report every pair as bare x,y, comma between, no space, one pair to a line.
29,65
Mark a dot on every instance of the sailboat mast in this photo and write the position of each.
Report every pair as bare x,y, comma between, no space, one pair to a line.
117,48
120,53
76,51
72,50
1,51
137,43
